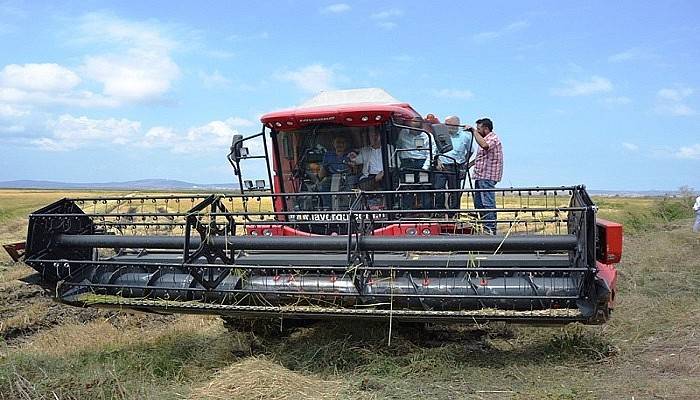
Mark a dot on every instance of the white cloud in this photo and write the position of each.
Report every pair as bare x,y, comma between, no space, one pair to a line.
214,80
136,66
385,19
9,111
210,136
386,14
595,84
335,8
674,94
68,132
673,102
23,87
312,78
630,146
38,77
139,67
80,98
691,152
490,35
454,94
139,75
632,54
675,110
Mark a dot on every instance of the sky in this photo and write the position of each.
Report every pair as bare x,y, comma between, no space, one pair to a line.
600,93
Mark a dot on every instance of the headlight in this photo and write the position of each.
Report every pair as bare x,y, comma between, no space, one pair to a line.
267,232
426,231
411,231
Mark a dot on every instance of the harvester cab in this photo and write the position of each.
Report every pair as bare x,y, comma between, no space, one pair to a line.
337,217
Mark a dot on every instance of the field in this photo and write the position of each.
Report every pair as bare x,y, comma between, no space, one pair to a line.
649,349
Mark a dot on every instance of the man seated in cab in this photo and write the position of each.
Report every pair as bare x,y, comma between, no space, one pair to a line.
336,163
370,158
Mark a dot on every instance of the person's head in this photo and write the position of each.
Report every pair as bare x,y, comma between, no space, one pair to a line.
374,139
484,126
431,118
340,144
315,168
452,123
417,122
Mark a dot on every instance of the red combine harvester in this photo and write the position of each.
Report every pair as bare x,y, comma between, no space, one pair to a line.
316,243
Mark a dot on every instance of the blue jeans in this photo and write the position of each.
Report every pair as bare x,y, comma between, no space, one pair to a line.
450,177
486,200
696,227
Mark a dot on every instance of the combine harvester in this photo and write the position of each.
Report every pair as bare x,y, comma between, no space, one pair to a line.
288,251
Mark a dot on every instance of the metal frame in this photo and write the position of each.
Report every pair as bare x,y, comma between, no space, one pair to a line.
216,263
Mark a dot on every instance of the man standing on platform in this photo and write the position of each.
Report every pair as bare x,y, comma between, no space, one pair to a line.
451,165
488,170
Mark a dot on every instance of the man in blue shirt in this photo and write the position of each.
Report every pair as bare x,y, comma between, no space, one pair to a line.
335,162
413,147
451,165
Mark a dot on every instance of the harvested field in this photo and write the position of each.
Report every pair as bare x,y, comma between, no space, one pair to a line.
649,349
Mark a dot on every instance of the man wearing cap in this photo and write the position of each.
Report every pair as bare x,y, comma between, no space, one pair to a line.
451,164
488,170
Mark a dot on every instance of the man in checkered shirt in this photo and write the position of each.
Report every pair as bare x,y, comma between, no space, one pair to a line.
488,170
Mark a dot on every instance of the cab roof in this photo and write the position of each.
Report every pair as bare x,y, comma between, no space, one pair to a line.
354,107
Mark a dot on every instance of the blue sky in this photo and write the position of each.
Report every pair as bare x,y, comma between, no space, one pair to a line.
601,93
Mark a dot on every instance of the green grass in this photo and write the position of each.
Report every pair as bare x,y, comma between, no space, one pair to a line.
649,349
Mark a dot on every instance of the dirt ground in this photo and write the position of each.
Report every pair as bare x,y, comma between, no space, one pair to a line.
649,349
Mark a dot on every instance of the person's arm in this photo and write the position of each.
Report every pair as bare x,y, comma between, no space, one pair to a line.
479,139
431,145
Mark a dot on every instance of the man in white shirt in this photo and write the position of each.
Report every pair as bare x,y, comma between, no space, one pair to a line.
696,207
370,157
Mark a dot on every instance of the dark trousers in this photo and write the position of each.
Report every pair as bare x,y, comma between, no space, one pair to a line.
449,176
486,200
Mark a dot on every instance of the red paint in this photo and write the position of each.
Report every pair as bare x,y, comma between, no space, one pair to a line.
611,233
404,229
348,115
608,273
276,230
15,250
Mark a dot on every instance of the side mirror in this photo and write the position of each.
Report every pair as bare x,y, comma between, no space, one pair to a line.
236,147
443,140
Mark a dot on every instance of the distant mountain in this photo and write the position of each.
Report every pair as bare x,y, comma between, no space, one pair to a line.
143,184
633,193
